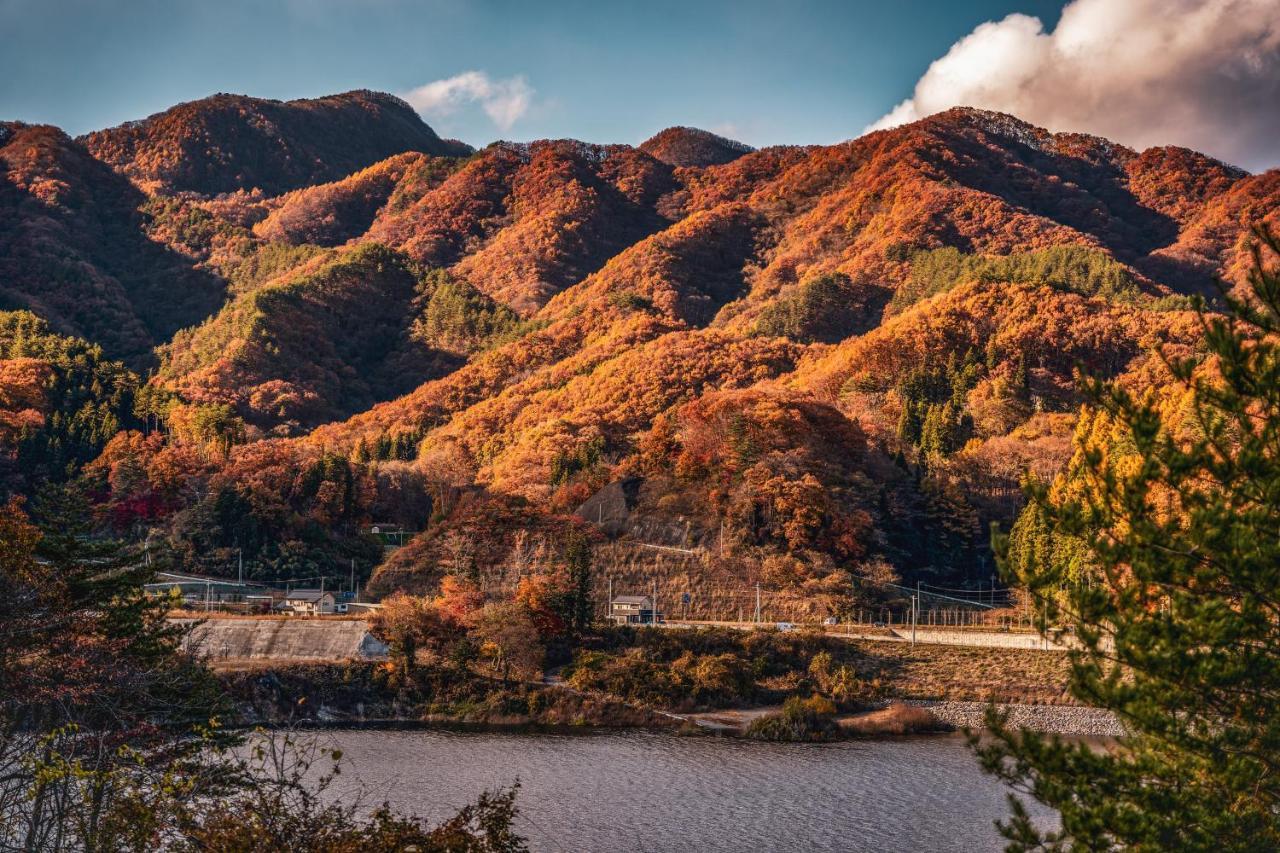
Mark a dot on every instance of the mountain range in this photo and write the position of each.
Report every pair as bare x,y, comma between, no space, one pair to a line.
266,326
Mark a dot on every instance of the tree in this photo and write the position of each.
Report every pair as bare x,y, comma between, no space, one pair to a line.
407,623
577,560
509,640
285,809
104,721
1180,628
111,734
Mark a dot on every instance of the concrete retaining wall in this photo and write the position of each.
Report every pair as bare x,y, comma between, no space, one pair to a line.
286,639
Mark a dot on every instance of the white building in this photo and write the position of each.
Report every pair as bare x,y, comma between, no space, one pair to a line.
309,602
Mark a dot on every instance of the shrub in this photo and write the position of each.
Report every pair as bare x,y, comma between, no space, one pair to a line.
801,720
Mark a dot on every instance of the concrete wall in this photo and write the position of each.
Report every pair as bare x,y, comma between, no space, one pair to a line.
286,639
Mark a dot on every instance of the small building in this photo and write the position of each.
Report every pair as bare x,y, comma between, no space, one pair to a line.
263,602
362,608
634,610
309,602
391,535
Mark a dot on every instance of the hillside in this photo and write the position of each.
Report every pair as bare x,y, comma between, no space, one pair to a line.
320,343
73,249
797,366
225,143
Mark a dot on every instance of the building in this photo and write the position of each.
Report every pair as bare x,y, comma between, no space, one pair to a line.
391,535
263,602
309,602
633,610
196,591
362,608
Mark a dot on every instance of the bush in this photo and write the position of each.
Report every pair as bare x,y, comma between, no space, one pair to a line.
897,719
801,720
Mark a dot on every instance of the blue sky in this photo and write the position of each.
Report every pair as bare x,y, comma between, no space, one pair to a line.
783,72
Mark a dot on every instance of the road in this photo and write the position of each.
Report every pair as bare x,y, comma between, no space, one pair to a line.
1027,640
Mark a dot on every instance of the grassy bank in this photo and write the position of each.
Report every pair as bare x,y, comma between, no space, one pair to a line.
629,677
959,673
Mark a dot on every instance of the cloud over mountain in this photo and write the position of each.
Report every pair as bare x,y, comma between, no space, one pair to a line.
1143,72
503,101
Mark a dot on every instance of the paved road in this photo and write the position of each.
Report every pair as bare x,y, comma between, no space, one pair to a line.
1026,640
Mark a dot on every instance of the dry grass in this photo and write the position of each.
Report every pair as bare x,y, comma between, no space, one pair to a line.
967,674
897,719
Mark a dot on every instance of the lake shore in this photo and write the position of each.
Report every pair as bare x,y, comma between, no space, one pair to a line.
355,695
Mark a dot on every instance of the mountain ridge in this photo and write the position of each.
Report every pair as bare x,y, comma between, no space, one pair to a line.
226,142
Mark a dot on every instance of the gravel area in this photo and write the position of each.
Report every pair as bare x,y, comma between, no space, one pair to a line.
1054,719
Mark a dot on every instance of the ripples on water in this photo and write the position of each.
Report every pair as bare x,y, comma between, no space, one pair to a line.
656,792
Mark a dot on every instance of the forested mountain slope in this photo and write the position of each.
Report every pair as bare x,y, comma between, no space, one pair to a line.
793,365
73,248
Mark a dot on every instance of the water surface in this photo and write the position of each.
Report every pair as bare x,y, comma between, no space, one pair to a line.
639,791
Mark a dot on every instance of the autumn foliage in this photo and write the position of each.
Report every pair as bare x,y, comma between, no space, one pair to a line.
795,366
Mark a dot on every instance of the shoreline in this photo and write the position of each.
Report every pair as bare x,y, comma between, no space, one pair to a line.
952,716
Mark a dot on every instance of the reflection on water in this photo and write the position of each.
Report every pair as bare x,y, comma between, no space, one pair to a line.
657,792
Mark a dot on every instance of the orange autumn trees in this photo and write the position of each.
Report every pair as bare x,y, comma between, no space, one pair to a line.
792,364
783,472
228,142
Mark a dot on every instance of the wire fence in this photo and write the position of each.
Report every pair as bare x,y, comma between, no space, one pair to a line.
676,599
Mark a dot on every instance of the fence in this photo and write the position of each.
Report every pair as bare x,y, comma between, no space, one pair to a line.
681,601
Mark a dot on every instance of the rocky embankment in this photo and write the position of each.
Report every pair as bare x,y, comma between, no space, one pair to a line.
1051,719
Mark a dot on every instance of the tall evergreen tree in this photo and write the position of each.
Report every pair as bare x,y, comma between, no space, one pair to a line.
578,563
1180,629
103,719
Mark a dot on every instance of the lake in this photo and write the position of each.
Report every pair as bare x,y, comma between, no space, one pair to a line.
640,791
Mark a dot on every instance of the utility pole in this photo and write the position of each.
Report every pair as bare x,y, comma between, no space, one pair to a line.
608,605
320,603
1044,626
653,613
353,577
240,565
757,602
915,599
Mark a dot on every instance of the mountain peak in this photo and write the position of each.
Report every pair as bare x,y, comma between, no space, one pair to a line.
691,146
229,142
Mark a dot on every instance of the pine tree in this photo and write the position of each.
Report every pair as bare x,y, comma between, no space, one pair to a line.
578,562
97,699
909,424
1180,632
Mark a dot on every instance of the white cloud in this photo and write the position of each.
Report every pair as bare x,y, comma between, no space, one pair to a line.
1199,73
504,101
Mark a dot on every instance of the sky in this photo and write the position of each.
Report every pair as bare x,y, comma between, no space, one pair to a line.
1201,73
